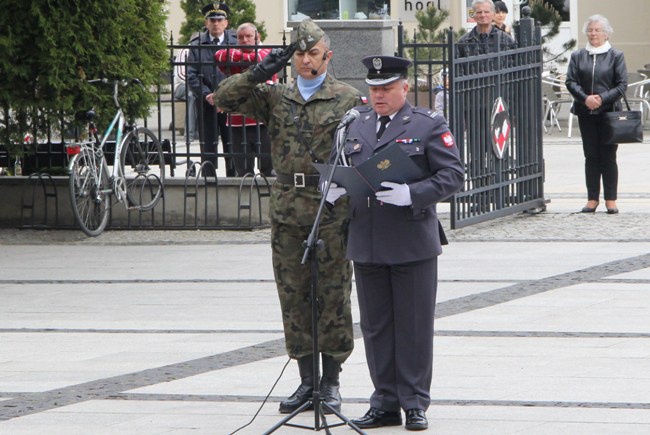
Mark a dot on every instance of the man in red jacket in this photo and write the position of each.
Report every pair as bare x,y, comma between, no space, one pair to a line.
247,136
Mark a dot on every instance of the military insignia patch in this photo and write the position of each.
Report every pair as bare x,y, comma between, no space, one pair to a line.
377,63
447,139
383,165
364,99
303,45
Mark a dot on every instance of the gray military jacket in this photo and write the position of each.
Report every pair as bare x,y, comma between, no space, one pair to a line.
388,234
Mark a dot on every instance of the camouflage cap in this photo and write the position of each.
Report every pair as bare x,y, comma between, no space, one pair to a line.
308,34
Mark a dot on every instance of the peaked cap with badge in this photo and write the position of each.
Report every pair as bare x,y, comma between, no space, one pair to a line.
308,34
215,10
383,70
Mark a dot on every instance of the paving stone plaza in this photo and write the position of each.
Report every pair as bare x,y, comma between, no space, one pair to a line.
543,324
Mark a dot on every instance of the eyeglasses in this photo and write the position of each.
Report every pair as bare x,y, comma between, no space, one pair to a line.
595,31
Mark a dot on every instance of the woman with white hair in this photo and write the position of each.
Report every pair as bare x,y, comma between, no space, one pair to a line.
597,79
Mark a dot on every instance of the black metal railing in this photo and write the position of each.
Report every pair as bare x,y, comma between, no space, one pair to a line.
493,104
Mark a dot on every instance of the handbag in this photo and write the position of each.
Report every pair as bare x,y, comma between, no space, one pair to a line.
625,126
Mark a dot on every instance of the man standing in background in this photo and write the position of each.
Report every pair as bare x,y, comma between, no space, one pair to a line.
247,136
484,37
204,76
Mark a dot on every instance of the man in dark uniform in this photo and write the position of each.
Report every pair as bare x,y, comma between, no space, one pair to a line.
203,77
394,241
301,118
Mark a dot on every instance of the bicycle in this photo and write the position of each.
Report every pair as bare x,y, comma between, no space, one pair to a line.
135,179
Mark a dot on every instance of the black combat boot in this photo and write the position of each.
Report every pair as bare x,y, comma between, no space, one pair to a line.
329,384
304,391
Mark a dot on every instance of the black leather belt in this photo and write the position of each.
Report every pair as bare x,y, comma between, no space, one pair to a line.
299,179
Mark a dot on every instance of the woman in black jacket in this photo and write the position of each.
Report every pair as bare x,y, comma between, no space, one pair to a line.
597,79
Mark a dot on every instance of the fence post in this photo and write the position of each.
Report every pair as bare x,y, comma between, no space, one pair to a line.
525,31
400,39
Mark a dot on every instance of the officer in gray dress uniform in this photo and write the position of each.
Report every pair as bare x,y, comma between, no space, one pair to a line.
394,241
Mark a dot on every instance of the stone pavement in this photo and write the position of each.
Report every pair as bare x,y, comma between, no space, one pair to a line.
542,325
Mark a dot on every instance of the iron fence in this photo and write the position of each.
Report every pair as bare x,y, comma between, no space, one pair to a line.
493,103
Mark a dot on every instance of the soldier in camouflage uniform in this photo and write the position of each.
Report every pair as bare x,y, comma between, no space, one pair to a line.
302,118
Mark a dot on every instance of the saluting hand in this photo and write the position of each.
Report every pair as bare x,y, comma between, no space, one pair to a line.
273,63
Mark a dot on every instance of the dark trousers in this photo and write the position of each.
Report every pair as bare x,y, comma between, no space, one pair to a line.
208,132
600,159
247,140
397,304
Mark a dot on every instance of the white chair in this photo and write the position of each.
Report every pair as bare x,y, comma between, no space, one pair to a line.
636,94
555,94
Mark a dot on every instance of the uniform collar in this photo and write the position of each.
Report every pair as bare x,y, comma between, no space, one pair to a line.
308,88
322,92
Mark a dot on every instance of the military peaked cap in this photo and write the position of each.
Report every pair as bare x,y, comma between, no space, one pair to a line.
383,70
216,10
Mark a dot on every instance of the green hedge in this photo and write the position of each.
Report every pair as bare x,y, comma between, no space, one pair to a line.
48,49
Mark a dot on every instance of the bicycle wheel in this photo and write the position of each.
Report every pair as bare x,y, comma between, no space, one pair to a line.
143,167
88,192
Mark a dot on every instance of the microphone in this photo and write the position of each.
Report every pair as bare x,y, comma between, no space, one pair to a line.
350,116
315,71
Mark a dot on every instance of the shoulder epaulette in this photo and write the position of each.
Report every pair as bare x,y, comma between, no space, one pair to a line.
425,112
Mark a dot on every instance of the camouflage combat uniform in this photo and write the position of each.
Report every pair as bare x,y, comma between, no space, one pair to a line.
293,209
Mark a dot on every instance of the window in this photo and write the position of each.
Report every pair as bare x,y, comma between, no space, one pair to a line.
339,9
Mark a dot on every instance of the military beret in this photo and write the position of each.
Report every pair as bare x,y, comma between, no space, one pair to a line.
216,10
383,70
308,34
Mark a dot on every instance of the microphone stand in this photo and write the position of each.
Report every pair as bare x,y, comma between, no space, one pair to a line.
311,244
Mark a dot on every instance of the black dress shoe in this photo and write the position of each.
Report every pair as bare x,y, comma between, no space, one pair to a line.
378,418
612,211
416,419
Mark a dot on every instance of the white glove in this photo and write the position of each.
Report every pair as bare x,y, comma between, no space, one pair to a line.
335,193
399,194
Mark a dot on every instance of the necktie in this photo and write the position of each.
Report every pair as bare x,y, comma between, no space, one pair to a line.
383,120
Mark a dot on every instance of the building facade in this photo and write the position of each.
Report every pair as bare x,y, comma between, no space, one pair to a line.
628,18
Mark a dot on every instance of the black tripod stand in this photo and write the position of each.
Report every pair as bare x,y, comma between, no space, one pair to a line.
312,244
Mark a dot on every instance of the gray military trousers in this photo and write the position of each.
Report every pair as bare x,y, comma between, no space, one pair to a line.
397,304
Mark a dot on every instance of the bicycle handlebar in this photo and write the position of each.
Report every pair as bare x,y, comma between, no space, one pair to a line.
116,84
